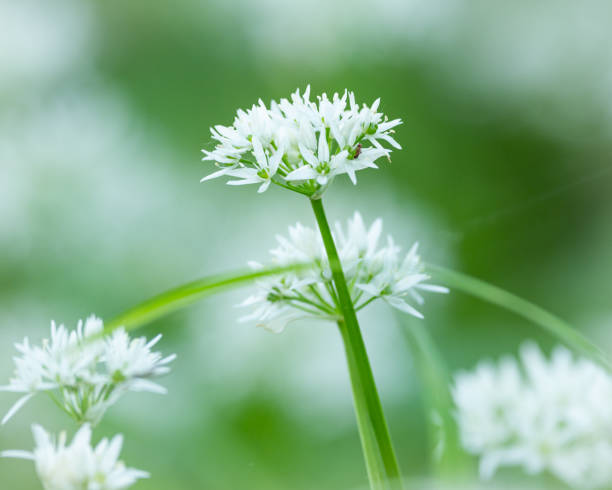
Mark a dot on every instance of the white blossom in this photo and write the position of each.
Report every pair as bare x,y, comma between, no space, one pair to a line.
78,466
372,270
301,144
540,414
131,361
83,371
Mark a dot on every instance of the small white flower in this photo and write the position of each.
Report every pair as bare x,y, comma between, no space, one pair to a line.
541,414
263,168
78,466
88,371
372,271
132,362
300,144
395,280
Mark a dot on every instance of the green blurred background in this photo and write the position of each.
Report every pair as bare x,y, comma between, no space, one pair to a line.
505,174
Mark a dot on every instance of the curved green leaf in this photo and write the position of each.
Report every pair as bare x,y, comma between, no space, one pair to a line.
497,296
187,294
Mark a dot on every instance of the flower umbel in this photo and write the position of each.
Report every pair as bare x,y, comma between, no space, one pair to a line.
541,414
301,144
373,270
78,466
88,372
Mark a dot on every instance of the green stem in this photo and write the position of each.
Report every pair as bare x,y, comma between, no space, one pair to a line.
362,379
373,460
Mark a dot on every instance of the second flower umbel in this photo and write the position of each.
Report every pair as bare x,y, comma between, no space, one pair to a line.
374,269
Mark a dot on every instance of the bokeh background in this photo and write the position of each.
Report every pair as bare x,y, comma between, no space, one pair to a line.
505,174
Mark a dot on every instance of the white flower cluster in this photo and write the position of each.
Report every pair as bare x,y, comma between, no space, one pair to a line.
542,415
372,271
84,372
78,466
300,144
88,371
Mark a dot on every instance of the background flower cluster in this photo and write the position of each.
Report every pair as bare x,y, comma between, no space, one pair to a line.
540,414
84,371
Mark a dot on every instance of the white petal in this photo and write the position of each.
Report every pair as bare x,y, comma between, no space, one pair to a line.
278,324
264,187
16,407
322,179
308,155
403,306
275,162
146,385
14,389
244,182
387,125
370,289
259,153
14,453
409,281
323,147
216,174
390,140
351,173
302,173
154,340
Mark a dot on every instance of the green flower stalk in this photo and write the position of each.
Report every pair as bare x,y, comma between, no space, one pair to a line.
364,387
302,146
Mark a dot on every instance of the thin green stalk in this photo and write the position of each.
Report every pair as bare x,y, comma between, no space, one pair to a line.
497,296
362,378
374,465
316,292
448,458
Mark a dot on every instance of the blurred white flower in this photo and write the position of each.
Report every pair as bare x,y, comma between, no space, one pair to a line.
90,372
78,466
40,42
372,271
300,144
543,415
131,361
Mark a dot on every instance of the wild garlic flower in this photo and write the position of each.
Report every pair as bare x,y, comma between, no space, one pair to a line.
78,466
542,415
373,270
301,144
89,372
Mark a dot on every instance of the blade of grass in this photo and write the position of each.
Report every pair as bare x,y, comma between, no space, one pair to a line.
448,458
187,294
497,296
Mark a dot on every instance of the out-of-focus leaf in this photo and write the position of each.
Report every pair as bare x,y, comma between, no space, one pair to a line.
497,296
448,459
